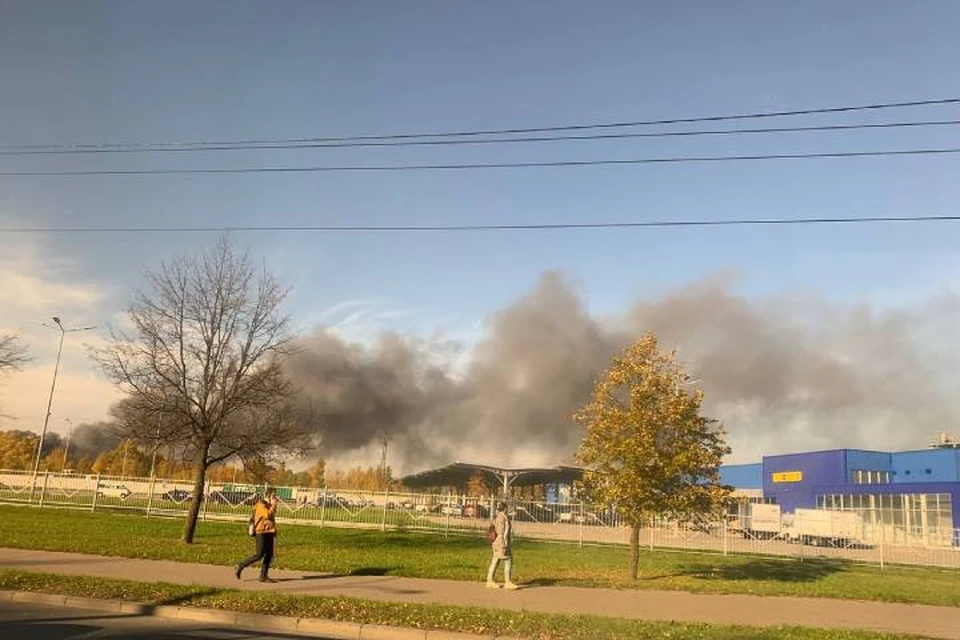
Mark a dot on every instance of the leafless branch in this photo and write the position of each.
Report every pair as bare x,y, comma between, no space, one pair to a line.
13,353
202,361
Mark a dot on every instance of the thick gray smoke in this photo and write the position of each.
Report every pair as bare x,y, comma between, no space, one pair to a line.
396,388
782,374
93,439
793,374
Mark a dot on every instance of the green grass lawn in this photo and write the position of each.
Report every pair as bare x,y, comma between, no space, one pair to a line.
425,555
522,624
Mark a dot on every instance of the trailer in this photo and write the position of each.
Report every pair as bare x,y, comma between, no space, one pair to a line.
759,521
824,528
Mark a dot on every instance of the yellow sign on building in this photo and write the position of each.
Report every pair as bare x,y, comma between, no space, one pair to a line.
787,476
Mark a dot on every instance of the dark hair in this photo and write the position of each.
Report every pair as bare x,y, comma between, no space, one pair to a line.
501,506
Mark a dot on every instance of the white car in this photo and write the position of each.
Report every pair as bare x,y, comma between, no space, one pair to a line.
113,490
570,517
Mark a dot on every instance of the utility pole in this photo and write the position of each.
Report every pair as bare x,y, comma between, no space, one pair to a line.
66,448
153,467
156,447
383,460
53,386
123,465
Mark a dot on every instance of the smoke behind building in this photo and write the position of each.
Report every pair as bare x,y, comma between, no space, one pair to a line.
786,373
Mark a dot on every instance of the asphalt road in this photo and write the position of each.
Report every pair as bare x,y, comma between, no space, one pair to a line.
43,622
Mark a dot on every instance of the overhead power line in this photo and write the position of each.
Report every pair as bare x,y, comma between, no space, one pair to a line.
504,131
287,145
727,222
490,165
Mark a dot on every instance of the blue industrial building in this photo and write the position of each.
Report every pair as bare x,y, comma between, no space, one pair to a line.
915,492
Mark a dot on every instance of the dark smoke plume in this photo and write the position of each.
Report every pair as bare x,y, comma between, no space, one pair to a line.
785,374
93,439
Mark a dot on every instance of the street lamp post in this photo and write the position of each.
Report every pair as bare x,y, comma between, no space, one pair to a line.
123,465
153,466
66,449
156,447
53,386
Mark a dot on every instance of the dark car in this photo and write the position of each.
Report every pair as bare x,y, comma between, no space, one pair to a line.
176,495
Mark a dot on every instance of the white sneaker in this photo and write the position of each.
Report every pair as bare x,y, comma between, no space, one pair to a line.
511,586
492,585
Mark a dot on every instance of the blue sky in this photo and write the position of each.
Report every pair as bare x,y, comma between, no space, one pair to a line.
183,71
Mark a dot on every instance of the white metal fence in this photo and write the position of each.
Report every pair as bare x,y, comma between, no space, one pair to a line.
576,523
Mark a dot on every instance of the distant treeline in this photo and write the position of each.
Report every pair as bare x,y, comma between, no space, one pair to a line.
18,450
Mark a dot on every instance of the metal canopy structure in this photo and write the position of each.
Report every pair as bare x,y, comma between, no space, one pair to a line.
458,473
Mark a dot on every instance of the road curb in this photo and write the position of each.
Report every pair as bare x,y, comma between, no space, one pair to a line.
255,621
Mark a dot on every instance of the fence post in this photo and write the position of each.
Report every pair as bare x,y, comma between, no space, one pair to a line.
882,529
383,521
446,526
206,499
323,507
96,493
580,525
651,533
153,482
723,529
43,489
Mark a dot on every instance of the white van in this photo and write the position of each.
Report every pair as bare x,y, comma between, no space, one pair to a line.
113,490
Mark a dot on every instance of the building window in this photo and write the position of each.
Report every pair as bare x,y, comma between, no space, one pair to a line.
869,476
920,518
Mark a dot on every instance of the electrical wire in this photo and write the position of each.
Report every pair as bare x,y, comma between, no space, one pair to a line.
550,226
475,141
508,131
491,165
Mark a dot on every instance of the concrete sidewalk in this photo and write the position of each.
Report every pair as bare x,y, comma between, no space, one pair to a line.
938,622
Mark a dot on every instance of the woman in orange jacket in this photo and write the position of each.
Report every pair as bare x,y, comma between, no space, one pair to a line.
265,529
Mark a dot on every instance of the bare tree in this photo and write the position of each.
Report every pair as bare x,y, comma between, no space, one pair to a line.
13,353
202,364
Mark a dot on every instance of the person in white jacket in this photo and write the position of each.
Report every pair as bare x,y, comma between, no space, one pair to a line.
501,546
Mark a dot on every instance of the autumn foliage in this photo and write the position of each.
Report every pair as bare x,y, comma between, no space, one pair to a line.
646,448
128,459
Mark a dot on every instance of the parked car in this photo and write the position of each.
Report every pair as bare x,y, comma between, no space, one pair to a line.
452,510
476,511
113,490
533,513
176,495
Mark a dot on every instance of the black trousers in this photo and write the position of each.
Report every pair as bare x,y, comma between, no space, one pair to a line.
264,553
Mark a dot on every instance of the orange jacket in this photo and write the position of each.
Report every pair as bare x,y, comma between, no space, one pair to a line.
263,517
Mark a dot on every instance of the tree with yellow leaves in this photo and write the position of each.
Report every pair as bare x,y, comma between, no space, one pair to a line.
125,460
477,485
647,451
17,449
317,473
